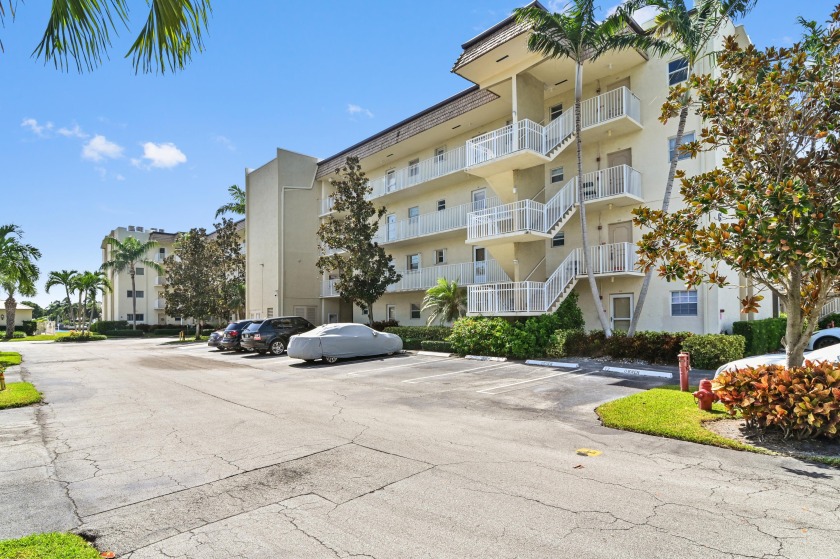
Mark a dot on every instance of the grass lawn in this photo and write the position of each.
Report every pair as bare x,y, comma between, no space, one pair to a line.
9,358
667,412
38,338
16,395
48,546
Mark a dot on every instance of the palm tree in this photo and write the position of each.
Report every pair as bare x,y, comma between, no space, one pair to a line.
237,302
577,35
447,301
18,272
686,33
126,255
90,283
237,206
81,30
66,279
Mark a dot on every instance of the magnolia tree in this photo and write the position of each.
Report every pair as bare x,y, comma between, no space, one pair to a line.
363,268
771,210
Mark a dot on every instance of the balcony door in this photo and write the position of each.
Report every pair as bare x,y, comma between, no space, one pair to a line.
620,233
479,265
391,227
621,311
615,179
479,199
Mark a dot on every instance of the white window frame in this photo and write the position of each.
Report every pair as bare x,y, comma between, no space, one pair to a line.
391,180
673,77
139,271
558,109
408,258
672,145
552,177
390,312
440,256
441,205
684,297
414,308
414,168
559,239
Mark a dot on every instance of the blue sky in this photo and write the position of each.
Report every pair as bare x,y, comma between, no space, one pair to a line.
82,154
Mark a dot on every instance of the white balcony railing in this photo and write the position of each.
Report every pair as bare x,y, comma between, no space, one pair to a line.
831,307
530,297
528,215
423,171
465,273
160,304
430,223
522,134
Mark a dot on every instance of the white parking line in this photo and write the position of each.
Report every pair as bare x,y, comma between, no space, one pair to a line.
489,390
403,365
415,380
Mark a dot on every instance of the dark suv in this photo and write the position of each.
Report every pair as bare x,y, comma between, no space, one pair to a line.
231,339
273,334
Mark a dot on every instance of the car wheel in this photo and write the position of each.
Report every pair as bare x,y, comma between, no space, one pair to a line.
825,342
330,359
277,347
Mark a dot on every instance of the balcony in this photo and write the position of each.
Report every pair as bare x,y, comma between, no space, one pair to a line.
524,144
160,304
160,257
432,223
530,298
465,273
160,281
527,220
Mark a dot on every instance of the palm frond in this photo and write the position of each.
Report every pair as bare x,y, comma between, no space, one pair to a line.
171,34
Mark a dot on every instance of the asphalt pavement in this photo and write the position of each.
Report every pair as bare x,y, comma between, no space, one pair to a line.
182,451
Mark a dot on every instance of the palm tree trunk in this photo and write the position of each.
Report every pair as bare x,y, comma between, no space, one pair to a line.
69,302
666,202
590,273
11,304
133,302
80,316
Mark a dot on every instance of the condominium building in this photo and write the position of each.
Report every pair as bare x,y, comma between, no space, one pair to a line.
482,189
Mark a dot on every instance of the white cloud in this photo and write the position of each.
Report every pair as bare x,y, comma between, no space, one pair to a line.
354,110
119,177
35,128
641,16
162,156
99,148
558,6
225,142
75,132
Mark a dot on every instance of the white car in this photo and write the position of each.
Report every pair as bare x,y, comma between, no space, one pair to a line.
830,353
824,338
331,342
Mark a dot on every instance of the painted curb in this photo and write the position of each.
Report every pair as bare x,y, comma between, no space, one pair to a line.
551,364
638,372
485,358
435,353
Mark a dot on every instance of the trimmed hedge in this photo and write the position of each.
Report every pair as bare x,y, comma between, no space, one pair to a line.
81,338
412,343
761,336
436,345
653,347
381,325
824,321
710,351
29,326
104,326
801,401
420,333
126,333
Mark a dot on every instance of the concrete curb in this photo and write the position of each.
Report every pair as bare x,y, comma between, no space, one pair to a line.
552,364
638,372
484,358
435,353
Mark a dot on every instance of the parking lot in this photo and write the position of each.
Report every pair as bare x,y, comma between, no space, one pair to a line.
183,451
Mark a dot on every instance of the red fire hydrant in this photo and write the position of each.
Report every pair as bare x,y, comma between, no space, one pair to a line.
705,397
685,366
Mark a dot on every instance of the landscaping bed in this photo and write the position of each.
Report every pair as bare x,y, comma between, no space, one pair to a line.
818,450
48,546
9,358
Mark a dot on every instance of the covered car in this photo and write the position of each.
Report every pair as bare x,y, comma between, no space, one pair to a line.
332,342
830,354
215,339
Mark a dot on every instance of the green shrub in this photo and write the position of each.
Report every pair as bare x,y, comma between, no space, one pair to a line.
557,346
420,332
801,401
761,336
653,347
381,325
710,351
833,317
569,314
81,337
436,345
125,333
412,343
18,335
481,336
29,326
585,344
105,326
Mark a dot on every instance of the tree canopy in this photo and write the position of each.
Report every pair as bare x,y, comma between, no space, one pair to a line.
771,210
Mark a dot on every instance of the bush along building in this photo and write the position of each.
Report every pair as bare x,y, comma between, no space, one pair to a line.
482,189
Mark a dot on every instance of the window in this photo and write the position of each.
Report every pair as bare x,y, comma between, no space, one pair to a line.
413,262
269,312
672,142
390,312
557,175
139,317
307,312
559,239
413,213
677,71
555,111
441,205
415,311
332,318
414,168
439,154
390,180
684,303
139,271
440,256
139,294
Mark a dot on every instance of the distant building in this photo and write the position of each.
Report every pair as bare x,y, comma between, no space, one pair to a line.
22,312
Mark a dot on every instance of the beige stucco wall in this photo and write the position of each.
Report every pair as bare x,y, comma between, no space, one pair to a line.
21,313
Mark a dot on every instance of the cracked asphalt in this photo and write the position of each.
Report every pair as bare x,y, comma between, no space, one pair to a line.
186,452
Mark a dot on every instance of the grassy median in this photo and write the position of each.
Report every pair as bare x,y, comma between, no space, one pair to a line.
17,395
667,412
48,546
37,338
9,358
